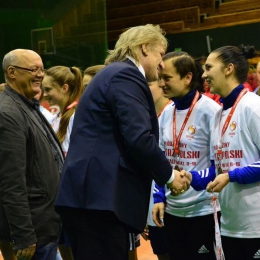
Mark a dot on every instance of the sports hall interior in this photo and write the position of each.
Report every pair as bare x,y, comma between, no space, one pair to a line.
80,32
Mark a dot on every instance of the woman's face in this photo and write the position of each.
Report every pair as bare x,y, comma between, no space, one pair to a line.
171,82
86,79
214,74
53,93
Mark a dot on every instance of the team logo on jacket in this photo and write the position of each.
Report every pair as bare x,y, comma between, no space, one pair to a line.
233,126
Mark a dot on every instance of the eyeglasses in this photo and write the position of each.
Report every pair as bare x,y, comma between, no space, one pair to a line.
33,71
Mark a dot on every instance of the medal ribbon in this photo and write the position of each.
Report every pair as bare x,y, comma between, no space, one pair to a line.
177,140
227,121
73,104
241,94
218,247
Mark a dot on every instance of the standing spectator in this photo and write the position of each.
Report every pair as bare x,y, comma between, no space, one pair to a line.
236,146
90,72
31,161
113,154
185,133
63,87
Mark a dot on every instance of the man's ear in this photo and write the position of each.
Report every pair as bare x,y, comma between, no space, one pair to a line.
144,49
10,72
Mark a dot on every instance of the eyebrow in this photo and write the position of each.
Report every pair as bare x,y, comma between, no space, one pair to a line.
207,65
164,74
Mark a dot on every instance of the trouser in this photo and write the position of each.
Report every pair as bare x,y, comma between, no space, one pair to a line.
241,248
95,234
46,252
190,238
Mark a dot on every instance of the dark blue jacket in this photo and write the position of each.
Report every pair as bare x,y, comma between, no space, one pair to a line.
113,153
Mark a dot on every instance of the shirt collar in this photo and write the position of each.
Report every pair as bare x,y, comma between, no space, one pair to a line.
139,66
229,101
30,103
185,101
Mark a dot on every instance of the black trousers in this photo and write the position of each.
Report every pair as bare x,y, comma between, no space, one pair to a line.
241,248
95,234
190,238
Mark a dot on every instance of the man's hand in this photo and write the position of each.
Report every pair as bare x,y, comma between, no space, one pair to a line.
180,183
145,233
158,214
26,253
219,183
188,175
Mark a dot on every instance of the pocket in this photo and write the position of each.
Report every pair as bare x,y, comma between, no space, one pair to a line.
36,195
36,198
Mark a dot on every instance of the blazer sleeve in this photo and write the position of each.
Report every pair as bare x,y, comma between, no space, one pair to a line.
130,101
14,197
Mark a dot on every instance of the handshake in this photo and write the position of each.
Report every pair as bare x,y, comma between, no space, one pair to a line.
180,183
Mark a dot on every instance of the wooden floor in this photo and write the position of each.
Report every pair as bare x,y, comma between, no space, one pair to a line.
144,252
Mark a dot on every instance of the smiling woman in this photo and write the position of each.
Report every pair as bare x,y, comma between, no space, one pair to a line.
236,145
185,131
63,87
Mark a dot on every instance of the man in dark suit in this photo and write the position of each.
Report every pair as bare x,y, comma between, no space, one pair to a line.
113,154
31,161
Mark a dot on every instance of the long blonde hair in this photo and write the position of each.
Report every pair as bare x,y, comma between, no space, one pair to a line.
73,77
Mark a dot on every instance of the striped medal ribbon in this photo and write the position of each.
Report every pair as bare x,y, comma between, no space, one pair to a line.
218,246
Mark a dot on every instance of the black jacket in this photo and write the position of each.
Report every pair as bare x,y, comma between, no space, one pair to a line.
29,175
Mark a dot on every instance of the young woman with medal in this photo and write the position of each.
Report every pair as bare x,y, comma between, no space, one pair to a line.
185,133
236,145
63,87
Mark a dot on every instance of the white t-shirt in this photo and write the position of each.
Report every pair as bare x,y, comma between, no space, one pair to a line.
151,203
55,125
240,203
194,154
47,114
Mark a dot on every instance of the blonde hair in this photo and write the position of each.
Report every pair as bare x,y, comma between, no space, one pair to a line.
93,70
73,77
130,41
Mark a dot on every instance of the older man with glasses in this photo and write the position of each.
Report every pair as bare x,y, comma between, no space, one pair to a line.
31,161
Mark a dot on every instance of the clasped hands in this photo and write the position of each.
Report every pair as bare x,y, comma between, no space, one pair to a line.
180,183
